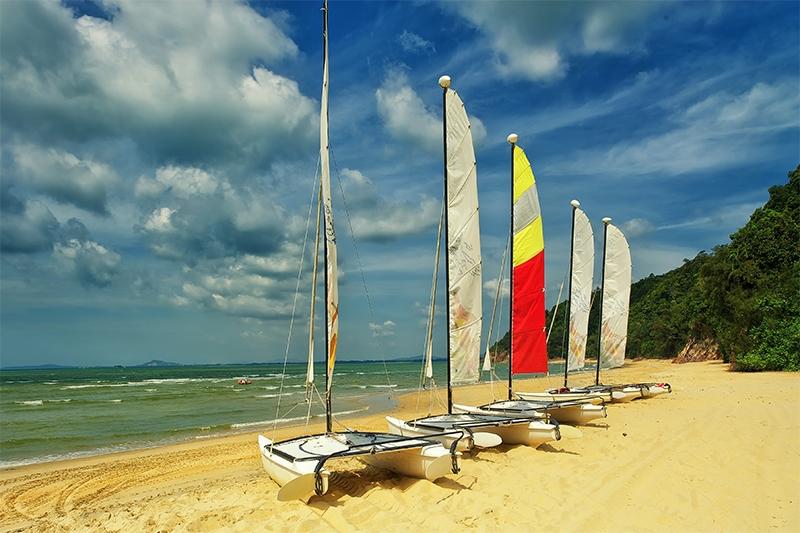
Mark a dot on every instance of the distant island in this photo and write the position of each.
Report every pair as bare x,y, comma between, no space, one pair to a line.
158,363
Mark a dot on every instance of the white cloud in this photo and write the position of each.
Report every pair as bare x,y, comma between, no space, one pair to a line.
202,215
66,178
376,218
411,42
92,263
382,330
407,117
636,227
717,132
729,217
490,286
230,286
176,78
147,188
534,40
26,226
186,182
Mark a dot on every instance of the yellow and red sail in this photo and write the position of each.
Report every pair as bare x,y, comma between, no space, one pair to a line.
529,336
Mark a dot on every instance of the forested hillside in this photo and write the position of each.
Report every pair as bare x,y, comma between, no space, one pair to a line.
743,297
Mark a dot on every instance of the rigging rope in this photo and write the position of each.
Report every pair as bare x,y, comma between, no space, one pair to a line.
294,301
361,269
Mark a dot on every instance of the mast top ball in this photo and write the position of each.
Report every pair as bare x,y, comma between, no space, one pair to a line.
444,82
512,138
607,220
575,203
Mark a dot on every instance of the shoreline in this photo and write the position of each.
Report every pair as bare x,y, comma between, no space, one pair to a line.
690,460
403,400
376,402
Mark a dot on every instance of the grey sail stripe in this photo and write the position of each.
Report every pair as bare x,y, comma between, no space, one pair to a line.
526,209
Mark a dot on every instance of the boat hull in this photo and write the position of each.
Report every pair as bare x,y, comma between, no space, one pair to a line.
567,414
577,414
530,433
654,390
554,396
288,461
399,427
284,471
430,462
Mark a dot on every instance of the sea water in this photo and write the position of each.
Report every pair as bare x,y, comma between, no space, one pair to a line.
55,414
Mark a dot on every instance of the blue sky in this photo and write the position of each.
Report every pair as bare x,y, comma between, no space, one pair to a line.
158,158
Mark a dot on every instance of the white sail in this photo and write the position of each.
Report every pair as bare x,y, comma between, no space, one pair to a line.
616,297
432,307
332,289
464,246
580,297
310,364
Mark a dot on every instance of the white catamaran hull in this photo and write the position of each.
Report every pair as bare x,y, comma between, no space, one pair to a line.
430,462
530,433
654,390
568,414
424,462
623,395
577,414
555,396
398,427
284,471
627,394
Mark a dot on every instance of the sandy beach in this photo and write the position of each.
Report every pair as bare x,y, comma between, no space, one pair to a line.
718,454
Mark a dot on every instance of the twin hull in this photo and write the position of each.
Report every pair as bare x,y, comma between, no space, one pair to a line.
428,462
568,414
533,433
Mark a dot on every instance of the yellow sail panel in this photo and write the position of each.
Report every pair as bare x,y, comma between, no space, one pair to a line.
528,242
523,173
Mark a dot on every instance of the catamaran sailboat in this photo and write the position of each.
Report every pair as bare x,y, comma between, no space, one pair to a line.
463,275
299,464
528,336
615,291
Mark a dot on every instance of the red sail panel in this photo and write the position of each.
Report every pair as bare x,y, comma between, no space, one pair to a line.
529,340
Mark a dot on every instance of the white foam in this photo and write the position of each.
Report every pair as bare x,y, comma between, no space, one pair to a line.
29,402
292,419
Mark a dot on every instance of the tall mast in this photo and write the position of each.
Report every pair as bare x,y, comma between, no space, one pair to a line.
512,140
575,205
606,222
328,230
444,83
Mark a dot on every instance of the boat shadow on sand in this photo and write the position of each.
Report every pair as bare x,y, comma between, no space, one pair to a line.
345,484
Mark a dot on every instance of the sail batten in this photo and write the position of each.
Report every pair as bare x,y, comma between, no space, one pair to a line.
528,328
463,245
616,298
581,289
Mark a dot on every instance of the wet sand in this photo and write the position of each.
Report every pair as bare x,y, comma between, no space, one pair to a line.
718,454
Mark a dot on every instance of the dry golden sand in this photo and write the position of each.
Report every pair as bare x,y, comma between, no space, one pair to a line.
718,454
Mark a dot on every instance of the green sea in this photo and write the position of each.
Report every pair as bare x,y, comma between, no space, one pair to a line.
55,414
